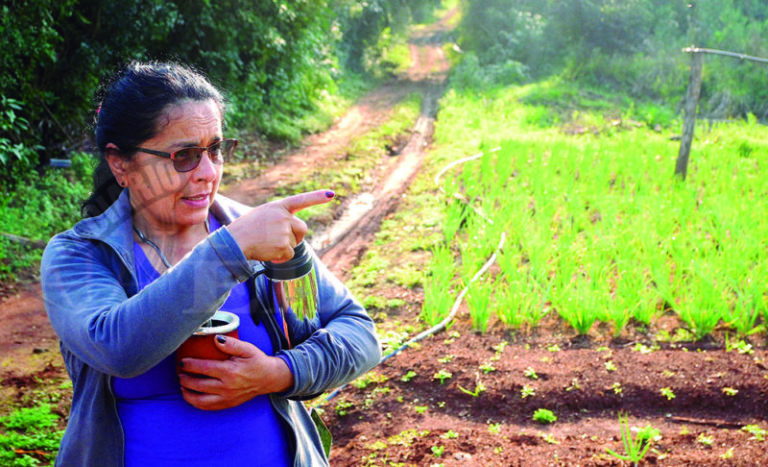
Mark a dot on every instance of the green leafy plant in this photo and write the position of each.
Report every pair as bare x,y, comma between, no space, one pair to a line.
479,388
544,416
637,447
437,451
756,431
29,435
530,373
368,379
549,438
574,386
527,391
446,359
408,376
342,407
450,434
487,367
705,439
668,393
442,375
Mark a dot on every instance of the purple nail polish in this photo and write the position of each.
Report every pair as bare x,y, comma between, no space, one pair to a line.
221,339
329,194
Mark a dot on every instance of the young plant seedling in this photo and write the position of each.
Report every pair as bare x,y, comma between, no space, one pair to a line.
544,416
549,438
635,448
442,375
437,451
530,373
756,432
575,386
667,392
487,368
705,440
527,391
406,378
479,388
450,434
730,391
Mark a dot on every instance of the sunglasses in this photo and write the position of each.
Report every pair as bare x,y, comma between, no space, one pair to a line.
187,159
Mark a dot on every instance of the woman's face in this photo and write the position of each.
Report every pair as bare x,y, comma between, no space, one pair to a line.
162,198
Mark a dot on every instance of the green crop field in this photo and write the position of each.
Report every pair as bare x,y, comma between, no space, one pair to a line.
597,227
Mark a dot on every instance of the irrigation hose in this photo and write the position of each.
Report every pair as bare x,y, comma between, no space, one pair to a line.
442,325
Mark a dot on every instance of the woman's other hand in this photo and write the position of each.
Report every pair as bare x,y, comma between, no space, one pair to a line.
270,231
247,373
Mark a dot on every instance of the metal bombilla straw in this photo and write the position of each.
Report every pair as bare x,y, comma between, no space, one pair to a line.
294,282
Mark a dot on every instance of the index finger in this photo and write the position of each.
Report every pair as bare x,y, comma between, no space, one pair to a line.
301,201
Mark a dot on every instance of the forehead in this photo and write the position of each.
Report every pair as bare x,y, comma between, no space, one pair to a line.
190,119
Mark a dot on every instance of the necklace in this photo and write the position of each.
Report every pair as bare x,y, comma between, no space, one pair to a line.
149,242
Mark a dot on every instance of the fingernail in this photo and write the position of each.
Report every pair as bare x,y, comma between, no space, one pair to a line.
329,194
221,339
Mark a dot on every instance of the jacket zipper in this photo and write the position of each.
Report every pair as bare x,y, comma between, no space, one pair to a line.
119,422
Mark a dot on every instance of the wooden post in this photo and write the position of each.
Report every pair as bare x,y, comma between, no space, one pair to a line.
691,102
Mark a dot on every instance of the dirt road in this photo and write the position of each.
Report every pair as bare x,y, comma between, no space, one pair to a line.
28,345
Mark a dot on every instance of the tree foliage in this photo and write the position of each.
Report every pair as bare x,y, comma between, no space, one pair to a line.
273,59
633,45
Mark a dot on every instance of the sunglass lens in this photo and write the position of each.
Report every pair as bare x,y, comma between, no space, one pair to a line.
187,159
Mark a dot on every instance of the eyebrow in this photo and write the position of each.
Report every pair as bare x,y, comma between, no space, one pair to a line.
216,139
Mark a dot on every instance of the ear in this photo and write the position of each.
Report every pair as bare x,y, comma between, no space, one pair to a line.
120,166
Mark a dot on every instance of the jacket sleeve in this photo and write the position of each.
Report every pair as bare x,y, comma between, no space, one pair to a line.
341,348
84,287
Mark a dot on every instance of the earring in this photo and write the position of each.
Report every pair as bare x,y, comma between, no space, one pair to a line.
122,183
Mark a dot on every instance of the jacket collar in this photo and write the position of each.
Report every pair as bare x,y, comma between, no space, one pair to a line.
115,225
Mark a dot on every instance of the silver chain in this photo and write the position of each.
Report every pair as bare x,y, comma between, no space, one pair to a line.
149,242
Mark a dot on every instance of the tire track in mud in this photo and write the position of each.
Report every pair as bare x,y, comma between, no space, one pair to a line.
343,243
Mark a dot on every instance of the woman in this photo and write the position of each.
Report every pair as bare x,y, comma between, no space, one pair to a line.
157,254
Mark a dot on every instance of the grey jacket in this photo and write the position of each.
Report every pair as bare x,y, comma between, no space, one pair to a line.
109,328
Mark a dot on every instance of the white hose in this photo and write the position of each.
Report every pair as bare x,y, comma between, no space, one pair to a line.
442,325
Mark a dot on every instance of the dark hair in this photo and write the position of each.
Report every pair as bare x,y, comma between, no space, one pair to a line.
132,110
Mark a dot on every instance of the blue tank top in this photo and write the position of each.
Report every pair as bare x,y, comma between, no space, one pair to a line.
162,429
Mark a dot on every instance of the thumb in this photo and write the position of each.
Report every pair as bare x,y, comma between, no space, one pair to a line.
234,346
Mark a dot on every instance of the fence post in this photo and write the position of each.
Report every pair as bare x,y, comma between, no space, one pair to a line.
691,102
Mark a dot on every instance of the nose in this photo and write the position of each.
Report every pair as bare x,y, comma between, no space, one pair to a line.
206,170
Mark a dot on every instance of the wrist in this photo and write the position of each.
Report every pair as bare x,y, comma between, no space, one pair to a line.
282,375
